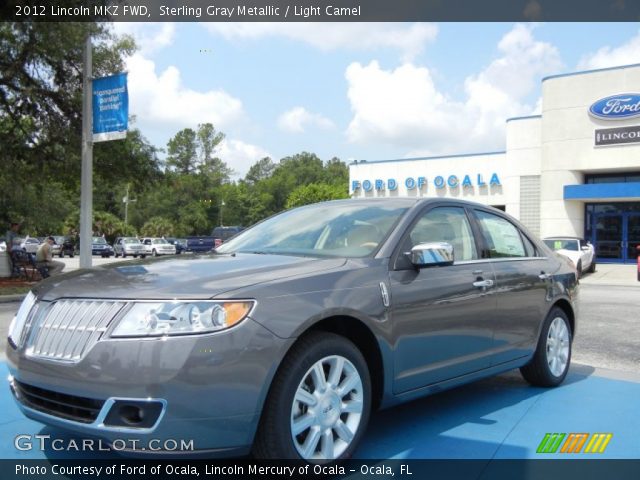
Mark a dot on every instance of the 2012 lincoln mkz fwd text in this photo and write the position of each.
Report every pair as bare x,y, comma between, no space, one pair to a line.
283,340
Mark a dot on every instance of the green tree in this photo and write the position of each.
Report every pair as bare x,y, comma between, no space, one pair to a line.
260,170
336,172
40,114
104,223
208,141
158,227
182,153
315,192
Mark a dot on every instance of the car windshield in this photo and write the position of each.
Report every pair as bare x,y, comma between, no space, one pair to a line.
562,244
131,240
99,240
158,241
325,229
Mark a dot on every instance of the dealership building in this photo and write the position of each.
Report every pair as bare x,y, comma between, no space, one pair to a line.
574,170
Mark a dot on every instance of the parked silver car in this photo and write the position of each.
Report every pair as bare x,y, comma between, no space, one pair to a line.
124,246
282,341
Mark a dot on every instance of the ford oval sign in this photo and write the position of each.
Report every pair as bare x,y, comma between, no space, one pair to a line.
617,107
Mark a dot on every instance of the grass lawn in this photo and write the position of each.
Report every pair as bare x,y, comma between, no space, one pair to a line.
14,287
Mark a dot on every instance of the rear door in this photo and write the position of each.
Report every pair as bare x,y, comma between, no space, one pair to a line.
523,283
442,316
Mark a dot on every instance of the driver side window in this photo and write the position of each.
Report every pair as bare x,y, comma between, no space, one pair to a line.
446,224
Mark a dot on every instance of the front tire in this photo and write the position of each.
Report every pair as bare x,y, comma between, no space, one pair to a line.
551,360
319,403
579,268
592,267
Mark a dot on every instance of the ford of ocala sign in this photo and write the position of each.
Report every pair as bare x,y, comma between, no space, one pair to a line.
617,107
420,183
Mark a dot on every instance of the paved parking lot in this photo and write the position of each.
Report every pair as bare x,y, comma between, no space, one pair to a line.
498,418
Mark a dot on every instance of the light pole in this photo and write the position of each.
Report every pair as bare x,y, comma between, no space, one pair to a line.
221,206
86,182
126,200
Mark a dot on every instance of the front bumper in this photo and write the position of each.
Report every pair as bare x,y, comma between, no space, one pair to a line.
129,251
210,388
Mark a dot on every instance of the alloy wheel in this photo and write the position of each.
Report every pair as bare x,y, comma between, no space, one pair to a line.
558,346
327,409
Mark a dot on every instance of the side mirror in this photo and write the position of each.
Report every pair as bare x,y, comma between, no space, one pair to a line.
433,254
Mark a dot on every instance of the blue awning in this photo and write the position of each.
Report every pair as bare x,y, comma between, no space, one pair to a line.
603,191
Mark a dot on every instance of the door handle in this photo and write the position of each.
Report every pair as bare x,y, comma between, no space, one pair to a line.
483,283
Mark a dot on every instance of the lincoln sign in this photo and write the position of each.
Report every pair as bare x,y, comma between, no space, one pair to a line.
617,136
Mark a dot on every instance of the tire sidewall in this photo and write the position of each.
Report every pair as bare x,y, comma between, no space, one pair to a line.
541,352
326,346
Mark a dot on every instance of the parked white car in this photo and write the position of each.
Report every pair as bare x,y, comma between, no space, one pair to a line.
30,244
581,252
158,246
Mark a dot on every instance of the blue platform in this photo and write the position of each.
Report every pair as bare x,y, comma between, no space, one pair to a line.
499,418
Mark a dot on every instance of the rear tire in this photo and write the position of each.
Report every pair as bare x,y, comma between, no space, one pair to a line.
592,267
552,358
319,403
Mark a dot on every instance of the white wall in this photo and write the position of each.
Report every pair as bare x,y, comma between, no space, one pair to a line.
568,142
523,156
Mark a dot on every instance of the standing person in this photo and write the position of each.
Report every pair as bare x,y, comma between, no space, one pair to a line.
44,258
12,235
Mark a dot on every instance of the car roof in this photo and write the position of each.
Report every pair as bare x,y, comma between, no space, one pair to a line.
407,201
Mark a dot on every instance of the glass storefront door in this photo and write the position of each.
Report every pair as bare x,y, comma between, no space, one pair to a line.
608,237
633,235
616,236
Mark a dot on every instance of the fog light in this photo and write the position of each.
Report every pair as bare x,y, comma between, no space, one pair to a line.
131,415
134,414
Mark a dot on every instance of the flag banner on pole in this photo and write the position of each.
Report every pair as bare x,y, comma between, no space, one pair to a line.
110,108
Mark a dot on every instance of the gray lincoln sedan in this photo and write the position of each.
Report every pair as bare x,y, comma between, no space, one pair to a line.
283,340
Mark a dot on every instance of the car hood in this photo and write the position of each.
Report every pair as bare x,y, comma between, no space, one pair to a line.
572,254
198,276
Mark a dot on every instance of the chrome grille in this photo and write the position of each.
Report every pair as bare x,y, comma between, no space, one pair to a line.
67,329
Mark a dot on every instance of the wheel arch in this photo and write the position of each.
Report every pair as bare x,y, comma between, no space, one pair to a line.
349,328
362,337
566,307
357,333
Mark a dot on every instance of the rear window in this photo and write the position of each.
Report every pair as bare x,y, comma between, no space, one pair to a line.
501,237
225,232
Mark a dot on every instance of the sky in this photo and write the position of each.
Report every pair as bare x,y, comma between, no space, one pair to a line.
355,91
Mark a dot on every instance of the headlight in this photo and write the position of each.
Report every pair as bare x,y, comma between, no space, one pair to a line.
17,324
149,319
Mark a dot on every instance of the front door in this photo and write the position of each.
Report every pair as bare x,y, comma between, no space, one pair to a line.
632,235
609,237
442,316
616,237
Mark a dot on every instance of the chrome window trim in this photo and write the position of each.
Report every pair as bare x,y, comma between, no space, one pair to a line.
501,260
